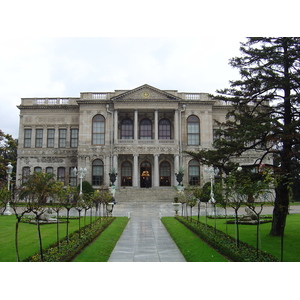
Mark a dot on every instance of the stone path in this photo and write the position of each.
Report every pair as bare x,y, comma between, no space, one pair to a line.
145,238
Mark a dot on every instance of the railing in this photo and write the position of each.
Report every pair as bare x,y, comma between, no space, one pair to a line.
53,101
144,142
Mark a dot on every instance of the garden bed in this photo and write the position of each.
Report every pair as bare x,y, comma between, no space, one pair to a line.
68,249
225,244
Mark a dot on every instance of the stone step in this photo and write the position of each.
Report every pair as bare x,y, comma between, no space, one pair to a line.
145,194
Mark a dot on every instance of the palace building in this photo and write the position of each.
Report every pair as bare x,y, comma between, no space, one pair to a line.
141,134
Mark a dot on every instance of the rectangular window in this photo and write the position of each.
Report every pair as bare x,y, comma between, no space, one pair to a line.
39,138
27,138
74,138
72,177
62,138
50,138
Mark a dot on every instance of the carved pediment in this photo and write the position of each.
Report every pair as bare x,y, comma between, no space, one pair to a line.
146,93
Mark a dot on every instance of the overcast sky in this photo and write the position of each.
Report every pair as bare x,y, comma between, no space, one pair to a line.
65,48
62,67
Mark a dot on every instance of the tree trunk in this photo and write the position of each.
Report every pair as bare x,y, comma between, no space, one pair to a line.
16,240
281,207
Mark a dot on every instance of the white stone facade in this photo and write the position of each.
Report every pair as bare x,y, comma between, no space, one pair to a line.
131,131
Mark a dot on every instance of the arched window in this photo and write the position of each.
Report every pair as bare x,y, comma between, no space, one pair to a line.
194,172
126,129
37,169
98,131
146,129
193,128
61,174
97,172
165,174
25,174
126,174
49,170
164,129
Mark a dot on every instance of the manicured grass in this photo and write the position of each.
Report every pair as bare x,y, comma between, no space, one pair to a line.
101,248
270,244
192,248
28,238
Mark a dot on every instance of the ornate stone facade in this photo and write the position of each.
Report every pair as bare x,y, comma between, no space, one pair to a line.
140,133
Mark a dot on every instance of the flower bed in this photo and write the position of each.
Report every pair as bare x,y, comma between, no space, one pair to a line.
68,250
226,244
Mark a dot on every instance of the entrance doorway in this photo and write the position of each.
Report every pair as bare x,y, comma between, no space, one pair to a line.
145,175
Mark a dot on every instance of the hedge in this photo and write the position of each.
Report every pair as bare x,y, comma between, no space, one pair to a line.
68,250
226,244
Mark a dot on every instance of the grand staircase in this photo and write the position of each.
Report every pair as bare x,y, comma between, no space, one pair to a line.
145,195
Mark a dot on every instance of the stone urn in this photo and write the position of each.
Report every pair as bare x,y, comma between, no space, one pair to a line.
109,208
179,177
176,207
112,178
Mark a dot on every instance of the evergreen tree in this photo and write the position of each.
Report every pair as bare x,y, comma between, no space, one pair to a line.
265,114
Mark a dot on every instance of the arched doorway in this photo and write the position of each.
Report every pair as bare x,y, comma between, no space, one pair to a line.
145,175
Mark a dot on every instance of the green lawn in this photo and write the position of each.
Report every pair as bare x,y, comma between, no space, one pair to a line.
268,243
101,248
28,238
192,248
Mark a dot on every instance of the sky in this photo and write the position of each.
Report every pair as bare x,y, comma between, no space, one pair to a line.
64,67
60,48
68,47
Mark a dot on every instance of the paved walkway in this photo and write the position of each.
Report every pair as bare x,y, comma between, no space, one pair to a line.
145,238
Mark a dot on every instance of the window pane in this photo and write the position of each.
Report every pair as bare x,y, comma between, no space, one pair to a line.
39,138
98,135
62,138
146,129
50,138
164,129
74,138
27,138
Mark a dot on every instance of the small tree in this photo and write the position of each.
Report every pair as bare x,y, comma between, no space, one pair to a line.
37,188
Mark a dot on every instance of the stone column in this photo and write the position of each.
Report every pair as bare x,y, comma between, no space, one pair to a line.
176,167
176,127
135,125
155,125
115,165
135,170
116,125
156,171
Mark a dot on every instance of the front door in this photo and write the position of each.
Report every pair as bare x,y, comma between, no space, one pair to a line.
145,175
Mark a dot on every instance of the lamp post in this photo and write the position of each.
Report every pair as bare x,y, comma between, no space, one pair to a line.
9,169
212,173
81,173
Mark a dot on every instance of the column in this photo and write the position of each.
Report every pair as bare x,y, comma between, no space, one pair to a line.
176,128
155,124
135,132
176,167
115,166
116,125
156,171
135,170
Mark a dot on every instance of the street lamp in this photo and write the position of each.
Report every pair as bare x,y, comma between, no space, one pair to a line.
81,173
9,169
212,173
